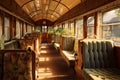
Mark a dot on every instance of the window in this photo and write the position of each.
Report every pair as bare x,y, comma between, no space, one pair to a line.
38,28
66,26
111,25
7,28
24,28
29,28
21,30
50,30
17,29
44,29
79,28
60,26
72,28
0,26
90,27
66,29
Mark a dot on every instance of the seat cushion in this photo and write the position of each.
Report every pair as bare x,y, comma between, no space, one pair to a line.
101,74
98,54
57,45
69,57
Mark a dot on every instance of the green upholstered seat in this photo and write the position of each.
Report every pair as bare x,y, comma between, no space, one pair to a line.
68,50
99,60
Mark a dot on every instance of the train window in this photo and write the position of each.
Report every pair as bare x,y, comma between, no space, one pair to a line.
7,28
0,27
66,29
72,28
79,28
29,28
60,26
38,28
24,28
17,29
44,29
111,25
50,30
66,26
21,33
90,27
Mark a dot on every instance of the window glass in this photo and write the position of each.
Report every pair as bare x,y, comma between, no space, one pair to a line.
111,25
60,26
7,28
112,16
90,27
21,29
0,27
79,28
66,29
50,30
24,26
66,25
17,29
29,29
38,28
44,29
72,28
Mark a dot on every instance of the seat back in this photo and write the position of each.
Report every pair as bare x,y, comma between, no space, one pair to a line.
57,38
97,53
68,43
17,65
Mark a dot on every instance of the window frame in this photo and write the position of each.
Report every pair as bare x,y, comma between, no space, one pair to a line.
85,18
116,41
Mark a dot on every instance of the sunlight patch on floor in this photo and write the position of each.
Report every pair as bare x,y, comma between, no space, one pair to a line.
43,73
43,52
43,59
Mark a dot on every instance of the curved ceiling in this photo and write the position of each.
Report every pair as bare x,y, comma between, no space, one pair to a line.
47,9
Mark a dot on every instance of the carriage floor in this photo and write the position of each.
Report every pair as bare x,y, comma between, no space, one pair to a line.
51,65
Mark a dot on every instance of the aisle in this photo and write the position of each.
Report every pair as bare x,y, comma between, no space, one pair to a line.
51,65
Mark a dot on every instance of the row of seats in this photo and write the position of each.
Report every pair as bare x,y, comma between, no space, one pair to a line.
66,47
98,60
92,59
67,50
17,59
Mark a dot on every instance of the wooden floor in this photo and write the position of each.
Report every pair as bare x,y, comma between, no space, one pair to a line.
51,65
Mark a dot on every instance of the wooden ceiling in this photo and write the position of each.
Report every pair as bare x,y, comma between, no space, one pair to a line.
47,9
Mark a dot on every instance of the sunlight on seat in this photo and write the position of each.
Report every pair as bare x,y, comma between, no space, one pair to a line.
44,59
43,52
43,47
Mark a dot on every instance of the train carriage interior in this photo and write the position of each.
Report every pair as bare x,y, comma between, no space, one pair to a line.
59,39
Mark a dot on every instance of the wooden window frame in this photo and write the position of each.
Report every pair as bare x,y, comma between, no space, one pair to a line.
85,18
